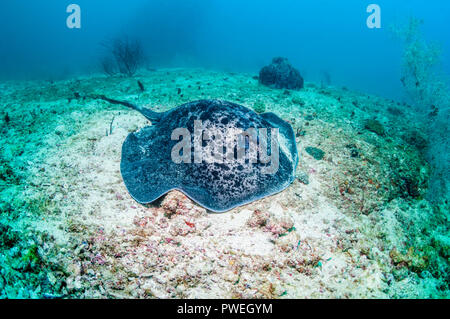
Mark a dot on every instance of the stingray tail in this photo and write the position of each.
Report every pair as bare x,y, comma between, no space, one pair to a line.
149,114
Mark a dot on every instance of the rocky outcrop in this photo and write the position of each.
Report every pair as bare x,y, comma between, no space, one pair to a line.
280,74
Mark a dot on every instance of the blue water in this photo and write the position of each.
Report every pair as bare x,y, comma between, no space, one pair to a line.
235,35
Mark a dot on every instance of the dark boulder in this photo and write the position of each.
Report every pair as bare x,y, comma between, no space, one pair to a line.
374,126
415,139
315,152
280,74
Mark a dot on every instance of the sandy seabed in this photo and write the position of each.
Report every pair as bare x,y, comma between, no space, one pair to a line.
354,224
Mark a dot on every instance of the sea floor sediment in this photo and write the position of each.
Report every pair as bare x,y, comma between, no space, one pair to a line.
354,224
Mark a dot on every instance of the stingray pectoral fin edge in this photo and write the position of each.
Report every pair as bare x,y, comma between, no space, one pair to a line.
145,195
288,137
138,164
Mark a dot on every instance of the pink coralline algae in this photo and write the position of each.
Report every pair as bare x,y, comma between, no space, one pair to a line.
275,225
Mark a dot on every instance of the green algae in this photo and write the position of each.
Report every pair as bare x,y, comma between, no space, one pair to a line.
315,152
259,107
375,126
31,256
8,237
7,174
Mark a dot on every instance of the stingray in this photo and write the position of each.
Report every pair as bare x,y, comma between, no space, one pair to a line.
218,184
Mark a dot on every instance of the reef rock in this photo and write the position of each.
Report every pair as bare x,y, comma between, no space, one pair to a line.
280,74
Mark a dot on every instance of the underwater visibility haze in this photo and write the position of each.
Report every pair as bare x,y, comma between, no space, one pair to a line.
224,149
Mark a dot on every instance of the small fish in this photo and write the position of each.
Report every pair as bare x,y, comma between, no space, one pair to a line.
141,86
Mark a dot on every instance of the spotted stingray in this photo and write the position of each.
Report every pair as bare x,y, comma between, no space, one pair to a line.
149,171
